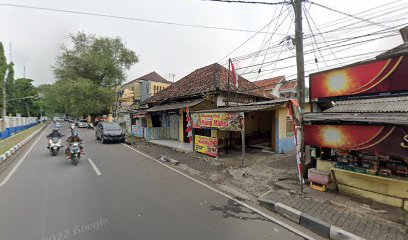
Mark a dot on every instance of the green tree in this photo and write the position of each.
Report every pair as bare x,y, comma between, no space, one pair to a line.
102,60
80,97
3,68
86,75
22,88
10,87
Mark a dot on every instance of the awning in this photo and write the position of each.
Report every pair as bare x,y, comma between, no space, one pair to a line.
374,105
250,107
139,114
176,105
390,118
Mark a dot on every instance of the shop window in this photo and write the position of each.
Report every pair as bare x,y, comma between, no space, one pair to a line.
289,127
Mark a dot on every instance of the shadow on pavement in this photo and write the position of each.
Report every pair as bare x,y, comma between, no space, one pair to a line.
234,210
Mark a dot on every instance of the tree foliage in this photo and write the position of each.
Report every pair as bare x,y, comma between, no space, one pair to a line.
78,97
22,88
86,75
3,68
102,60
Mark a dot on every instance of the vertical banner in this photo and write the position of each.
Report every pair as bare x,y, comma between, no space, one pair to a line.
294,111
189,129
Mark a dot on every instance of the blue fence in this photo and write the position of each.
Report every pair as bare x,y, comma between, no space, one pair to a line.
13,130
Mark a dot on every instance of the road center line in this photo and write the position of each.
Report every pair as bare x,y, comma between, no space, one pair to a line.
277,221
10,174
94,167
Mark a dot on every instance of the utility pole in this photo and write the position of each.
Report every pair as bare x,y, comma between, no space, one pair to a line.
297,5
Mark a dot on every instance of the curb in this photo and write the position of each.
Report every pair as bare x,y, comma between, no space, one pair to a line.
14,149
315,225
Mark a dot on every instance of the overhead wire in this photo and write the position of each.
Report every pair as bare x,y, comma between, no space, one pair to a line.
347,14
242,44
247,2
127,18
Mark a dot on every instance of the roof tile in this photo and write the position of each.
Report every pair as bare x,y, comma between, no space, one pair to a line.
203,80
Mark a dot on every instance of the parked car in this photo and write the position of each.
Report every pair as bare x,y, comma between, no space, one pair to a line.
107,131
83,123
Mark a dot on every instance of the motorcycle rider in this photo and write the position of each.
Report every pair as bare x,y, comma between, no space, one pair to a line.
73,138
54,134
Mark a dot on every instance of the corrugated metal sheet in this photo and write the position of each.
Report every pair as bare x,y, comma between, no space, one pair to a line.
176,105
394,118
374,105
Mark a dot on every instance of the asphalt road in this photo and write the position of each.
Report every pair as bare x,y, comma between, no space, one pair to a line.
48,198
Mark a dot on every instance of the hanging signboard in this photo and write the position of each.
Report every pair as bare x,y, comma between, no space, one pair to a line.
383,140
206,145
373,77
222,121
137,131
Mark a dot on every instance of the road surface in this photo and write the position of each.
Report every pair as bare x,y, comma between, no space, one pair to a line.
119,194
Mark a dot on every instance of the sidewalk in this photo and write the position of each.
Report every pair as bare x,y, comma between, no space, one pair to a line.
274,177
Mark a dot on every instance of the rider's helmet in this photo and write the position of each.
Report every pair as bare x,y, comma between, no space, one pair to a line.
75,133
54,130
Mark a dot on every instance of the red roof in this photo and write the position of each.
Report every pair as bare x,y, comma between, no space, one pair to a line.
288,85
270,83
204,80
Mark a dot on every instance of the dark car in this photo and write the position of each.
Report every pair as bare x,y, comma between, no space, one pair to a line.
107,131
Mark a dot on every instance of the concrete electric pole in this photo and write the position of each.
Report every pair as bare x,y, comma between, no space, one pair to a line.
297,5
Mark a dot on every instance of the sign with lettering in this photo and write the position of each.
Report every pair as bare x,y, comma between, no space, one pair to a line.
137,131
206,145
222,121
384,140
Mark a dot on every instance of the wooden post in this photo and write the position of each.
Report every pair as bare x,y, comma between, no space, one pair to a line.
243,137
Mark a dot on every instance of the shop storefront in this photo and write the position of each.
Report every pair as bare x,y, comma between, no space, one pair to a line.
358,131
261,125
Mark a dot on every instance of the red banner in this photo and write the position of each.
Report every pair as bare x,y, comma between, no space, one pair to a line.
390,75
385,140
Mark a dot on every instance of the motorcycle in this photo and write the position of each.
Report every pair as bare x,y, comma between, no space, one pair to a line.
55,145
75,152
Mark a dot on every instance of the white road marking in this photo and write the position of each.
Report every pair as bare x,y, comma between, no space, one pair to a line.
290,228
94,167
5,180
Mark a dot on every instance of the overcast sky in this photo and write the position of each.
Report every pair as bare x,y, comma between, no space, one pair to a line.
35,35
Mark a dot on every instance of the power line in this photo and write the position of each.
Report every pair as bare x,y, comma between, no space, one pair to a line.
247,2
349,15
127,18
262,44
242,44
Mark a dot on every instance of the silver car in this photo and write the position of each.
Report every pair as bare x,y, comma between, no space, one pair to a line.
83,123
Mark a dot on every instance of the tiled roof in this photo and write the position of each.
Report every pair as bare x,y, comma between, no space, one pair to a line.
153,76
204,80
270,83
374,105
288,85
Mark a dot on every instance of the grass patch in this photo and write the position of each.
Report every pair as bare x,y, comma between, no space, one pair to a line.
10,142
